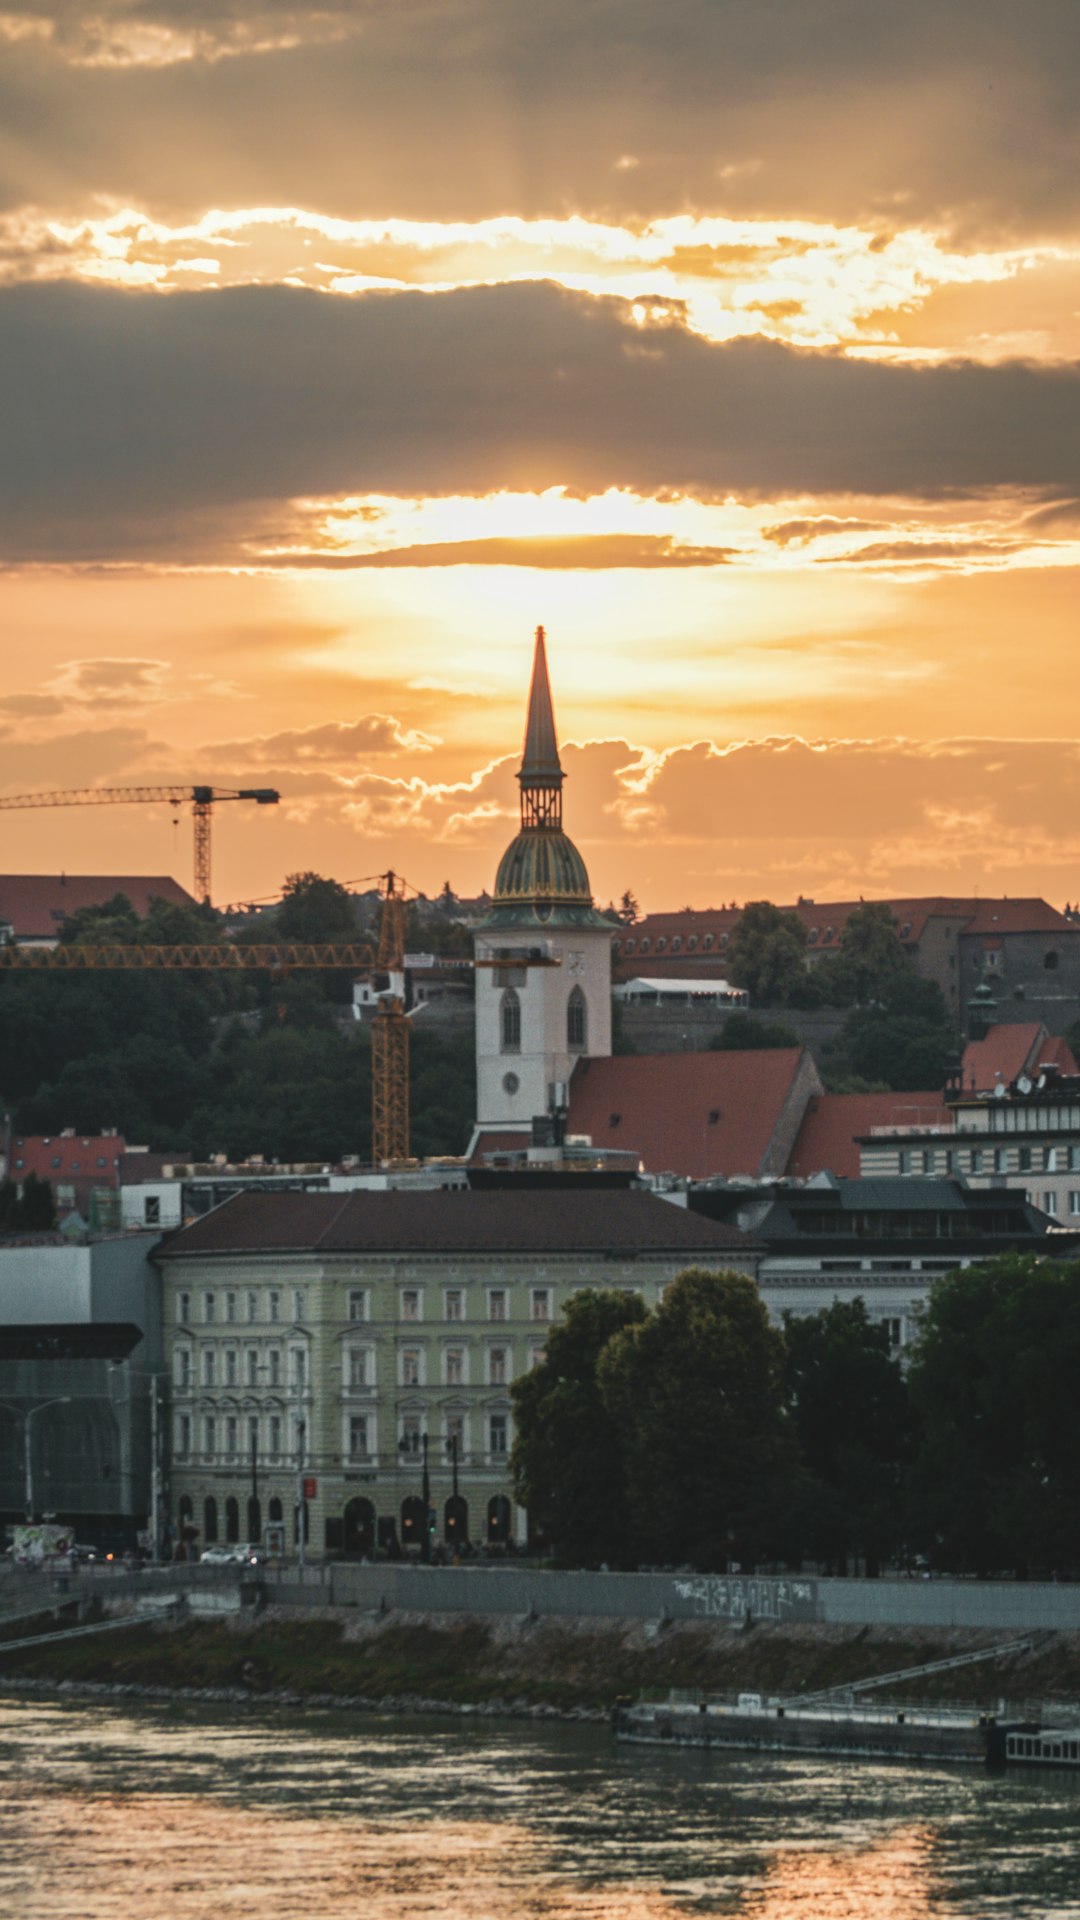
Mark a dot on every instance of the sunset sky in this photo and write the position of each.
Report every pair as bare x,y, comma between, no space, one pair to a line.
737,341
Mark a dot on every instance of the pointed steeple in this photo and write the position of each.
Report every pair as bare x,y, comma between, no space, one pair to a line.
541,774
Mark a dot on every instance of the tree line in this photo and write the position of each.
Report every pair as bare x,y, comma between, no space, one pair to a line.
700,1434
207,1063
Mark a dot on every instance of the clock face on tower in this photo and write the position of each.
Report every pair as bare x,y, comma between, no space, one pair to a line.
575,962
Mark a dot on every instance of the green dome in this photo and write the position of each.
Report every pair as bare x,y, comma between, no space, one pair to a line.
541,867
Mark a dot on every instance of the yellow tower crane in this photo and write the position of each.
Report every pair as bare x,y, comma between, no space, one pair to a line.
202,801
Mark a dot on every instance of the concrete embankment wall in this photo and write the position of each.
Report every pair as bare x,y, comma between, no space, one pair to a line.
989,1605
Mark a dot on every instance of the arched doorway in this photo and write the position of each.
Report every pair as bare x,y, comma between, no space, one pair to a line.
498,1520
360,1528
254,1517
232,1520
413,1522
456,1521
209,1519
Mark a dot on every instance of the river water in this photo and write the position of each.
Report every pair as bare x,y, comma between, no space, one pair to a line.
130,1812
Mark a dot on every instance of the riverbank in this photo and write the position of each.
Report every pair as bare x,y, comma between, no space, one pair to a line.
414,1662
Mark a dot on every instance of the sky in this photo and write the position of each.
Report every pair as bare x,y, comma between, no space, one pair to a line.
735,341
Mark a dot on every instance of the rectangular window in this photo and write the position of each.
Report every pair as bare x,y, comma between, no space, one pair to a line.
540,1304
1074,1201
497,1303
230,1367
928,1160
275,1306
357,1304
358,1367
298,1369
252,1308
410,1304
410,1433
183,1434
252,1368
253,1434
275,1366
210,1431
209,1366
230,1308
497,1366
1074,1159
1050,1160
536,1357
410,1367
299,1306
498,1425
455,1367
976,1160
183,1308
455,1304
455,1436
152,1211
183,1368
230,1433
358,1436
275,1433
905,1160
895,1331
1025,1160
1049,1202
209,1308
1001,1159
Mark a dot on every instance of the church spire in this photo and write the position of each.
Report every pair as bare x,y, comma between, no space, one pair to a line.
541,774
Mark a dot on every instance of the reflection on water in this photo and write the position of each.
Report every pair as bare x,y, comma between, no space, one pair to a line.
118,1815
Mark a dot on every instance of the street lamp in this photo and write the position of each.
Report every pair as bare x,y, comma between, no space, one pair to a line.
62,1400
146,1373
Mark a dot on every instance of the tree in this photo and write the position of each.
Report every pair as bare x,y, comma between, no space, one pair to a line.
695,1395
315,909
628,910
767,954
741,1033
567,1461
870,956
853,1420
33,1210
905,1040
993,1378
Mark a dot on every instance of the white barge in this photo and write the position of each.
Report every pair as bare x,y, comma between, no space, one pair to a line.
975,1736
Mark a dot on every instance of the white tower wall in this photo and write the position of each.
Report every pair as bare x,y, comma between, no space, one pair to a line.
544,1056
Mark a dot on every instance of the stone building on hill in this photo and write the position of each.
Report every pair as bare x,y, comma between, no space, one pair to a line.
364,1344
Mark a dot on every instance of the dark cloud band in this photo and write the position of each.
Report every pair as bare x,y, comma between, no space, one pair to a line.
125,410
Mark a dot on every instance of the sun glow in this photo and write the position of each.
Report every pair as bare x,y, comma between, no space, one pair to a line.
812,284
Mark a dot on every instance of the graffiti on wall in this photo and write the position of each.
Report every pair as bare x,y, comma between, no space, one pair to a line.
734,1597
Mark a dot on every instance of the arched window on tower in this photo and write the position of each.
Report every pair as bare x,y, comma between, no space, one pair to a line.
576,1028
510,1022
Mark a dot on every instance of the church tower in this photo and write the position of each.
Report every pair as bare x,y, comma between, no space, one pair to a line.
548,1003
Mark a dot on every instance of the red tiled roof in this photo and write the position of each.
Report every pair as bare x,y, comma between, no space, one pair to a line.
1056,1052
92,1158
1017,916
1005,1052
828,1137
35,905
689,1113
575,1220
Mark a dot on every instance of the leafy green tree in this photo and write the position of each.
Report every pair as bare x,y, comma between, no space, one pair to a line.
870,957
993,1379
853,1419
314,908
741,1033
628,910
33,1210
695,1394
767,954
905,1040
567,1460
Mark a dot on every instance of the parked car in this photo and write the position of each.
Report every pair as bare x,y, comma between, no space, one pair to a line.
235,1554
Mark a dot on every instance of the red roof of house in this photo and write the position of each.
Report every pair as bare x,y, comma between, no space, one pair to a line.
1005,1052
35,905
93,1159
696,1114
828,1137
1056,1052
